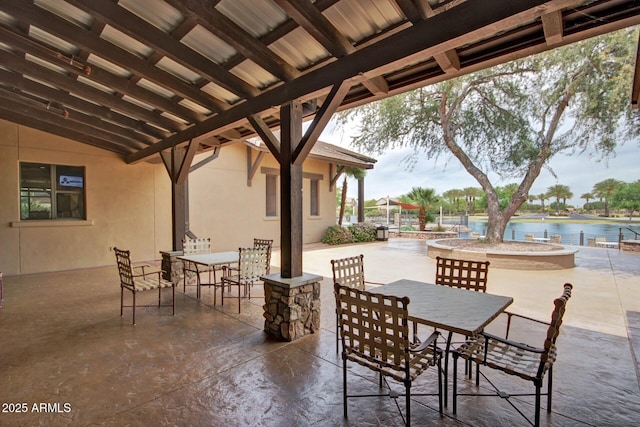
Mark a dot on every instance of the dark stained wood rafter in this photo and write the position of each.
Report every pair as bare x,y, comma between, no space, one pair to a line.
88,124
120,84
315,23
422,43
421,10
227,30
87,40
320,121
552,25
135,129
47,123
57,114
267,136
166,45
473,21
69,84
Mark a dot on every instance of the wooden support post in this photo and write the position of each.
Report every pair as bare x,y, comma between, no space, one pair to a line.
361,200
290,191
177,162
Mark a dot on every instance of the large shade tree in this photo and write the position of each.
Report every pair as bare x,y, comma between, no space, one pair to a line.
627,196
511,119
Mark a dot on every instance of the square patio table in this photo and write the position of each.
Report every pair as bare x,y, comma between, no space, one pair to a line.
455,310
210,260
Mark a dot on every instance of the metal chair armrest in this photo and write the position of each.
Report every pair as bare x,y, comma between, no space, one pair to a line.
519,345
510,315
426,343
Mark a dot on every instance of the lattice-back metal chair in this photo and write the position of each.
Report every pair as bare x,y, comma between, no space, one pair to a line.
252,264
515,358
381,343
138,279
349,272
194,247
265,243
463,274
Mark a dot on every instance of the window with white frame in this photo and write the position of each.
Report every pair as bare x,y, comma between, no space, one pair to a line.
51,191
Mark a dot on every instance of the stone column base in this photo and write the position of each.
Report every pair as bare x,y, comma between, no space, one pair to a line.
292,306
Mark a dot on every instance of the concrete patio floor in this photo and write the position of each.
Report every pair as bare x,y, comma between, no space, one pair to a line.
62,341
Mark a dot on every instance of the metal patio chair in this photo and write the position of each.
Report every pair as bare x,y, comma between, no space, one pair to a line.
138,279
193,247
515,358
381,343
349,272
463,274
268,244
252,264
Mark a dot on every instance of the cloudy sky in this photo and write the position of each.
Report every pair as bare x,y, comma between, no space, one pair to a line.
391,177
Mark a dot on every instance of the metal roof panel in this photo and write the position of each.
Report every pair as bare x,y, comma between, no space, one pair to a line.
125,42
156,12
257,17
208,45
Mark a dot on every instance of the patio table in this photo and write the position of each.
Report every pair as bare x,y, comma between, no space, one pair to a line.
454,310
209,261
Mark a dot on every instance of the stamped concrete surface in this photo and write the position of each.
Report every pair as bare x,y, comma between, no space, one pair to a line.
68,358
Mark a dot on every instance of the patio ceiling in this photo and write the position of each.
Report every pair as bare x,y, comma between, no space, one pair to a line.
137,77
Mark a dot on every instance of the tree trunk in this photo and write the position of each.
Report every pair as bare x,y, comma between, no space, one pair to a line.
421,221
343,200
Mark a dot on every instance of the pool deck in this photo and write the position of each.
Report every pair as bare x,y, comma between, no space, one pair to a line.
62,341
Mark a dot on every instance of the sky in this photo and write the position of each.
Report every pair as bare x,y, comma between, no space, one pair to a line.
391,177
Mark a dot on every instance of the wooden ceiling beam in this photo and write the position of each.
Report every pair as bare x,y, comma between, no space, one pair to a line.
419,10
468,21
136,27
307,15
120,84
60,115
143,131
71,85
553,27
89,41
232,34
57,126
320,121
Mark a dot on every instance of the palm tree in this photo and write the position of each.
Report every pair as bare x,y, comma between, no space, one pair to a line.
542,197
422,197
587,197
559,191
454,196
349,172
471,194
604,190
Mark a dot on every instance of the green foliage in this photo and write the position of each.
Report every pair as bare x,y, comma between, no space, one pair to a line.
627,196
604,190
511,119
363,232
337,235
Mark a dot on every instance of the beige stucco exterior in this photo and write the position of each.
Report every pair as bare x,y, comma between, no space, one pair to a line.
129,206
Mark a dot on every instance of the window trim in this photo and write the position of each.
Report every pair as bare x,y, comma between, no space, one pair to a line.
54,192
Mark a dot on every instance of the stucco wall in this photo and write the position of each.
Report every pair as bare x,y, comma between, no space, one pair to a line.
127,206
223,207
